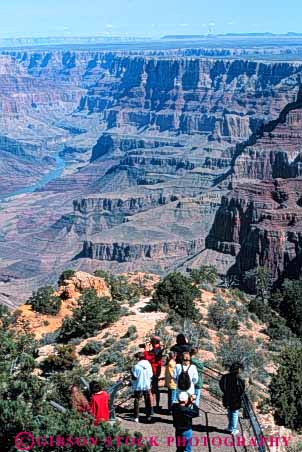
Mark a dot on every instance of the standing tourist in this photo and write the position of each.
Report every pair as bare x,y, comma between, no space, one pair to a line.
170,383
154,354
233,388
141,382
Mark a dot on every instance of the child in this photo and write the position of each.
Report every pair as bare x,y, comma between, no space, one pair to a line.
170,383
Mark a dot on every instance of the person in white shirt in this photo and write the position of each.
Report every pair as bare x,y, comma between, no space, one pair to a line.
191,377
141,383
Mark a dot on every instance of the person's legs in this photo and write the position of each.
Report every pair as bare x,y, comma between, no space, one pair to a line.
174,396
155,390
197,394
233,416
180,441
147,403
188,434
137,395
169,399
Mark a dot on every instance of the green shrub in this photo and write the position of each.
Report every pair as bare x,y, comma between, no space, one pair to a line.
278,330
176,293
91,348
103,274
261,309
67,274
44,301
286,387
131,332
240,349
206,274
50,338
290,305
221,317
65,359
109,342
89,316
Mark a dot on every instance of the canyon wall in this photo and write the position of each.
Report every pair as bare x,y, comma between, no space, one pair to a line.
261,224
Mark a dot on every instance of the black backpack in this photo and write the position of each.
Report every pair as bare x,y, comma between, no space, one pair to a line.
184,380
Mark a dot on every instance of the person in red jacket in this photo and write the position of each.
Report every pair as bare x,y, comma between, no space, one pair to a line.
99,403
154,354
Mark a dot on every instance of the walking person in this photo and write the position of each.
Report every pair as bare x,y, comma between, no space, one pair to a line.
199,366
141,383
185,375
181,346
183,412
154,354
233,388
169,381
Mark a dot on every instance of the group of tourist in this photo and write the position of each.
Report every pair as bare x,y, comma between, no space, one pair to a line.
184,381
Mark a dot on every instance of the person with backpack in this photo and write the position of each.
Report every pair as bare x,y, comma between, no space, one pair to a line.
99,403
169,381
141,383
183,412
233,388
154,354
199,366
185,374
181,346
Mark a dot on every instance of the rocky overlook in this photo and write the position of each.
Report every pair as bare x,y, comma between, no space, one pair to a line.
150,143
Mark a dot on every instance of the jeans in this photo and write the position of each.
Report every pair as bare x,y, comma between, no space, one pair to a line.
233,416
197,394
137,397
172,397
187,435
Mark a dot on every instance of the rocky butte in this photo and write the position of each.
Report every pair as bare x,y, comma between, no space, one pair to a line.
151,161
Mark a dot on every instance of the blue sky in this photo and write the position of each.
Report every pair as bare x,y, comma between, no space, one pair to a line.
147,17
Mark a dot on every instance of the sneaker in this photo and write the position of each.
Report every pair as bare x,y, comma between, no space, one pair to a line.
136,420
234,432
149,418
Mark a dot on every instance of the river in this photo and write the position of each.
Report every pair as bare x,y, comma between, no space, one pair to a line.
53,174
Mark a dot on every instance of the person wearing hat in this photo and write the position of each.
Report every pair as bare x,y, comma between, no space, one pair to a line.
154,354
183,412
233,388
